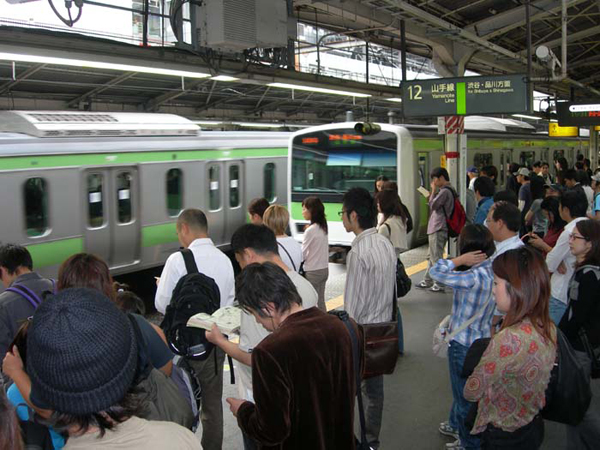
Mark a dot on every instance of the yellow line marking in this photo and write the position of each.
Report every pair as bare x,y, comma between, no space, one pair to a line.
338,301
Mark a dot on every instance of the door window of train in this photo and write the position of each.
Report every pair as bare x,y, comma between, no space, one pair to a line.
269,182
214,188
333,161
527,159
174,185
557,154
234,186
483,159
35,192
124,206
95,183
423,172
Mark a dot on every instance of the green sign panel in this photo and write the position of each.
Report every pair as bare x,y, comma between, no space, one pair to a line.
503,94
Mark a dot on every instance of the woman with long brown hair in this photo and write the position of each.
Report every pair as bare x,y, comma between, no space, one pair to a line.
510,381
315,247
581,321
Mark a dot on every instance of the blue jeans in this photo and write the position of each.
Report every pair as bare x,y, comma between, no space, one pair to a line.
400,333
460,407
557,310
372,394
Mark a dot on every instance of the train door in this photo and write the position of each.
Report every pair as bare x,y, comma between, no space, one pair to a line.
234,199
112,226
216,214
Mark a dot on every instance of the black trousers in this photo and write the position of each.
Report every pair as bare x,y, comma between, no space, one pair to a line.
529,437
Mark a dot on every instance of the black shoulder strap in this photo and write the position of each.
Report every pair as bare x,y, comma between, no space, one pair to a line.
190,262
288,254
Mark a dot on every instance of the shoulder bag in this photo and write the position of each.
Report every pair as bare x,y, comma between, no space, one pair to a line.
568,394
289,256
593,354
441,338
403,281
381,345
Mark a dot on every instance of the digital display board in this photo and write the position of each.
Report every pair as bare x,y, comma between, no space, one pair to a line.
503,94
578,113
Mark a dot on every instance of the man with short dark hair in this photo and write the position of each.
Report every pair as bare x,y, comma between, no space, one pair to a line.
560,260
370,287
504,222
256,210
16,270
537,168
571,181
484,192
545,173
192,232
441,204
490,172
256,244
303,373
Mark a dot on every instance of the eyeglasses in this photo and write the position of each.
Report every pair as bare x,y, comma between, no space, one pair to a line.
573,236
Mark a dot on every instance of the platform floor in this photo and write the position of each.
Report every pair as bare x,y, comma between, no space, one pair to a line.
417,395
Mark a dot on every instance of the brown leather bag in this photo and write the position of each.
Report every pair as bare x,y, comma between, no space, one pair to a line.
381,346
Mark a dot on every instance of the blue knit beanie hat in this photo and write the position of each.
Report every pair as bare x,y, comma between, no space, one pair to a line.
81,353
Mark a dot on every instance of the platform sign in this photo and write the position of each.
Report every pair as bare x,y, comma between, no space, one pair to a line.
503,94
555,130
578,113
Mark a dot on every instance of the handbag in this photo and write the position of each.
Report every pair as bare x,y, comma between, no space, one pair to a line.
381,345
568,394
441,338
593,354
403,281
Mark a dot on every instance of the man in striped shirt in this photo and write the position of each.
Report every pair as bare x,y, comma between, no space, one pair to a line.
370,283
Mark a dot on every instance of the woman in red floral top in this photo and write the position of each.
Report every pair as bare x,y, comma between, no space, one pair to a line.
510,381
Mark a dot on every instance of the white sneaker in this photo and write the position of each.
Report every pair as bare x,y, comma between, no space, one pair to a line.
436,288
424,285
455,445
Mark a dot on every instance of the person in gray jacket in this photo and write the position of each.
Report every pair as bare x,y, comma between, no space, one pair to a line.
16,271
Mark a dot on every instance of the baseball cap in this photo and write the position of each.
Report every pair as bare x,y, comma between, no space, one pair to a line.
522,171
472,169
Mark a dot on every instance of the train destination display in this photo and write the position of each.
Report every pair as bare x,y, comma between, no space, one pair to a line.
503,94
578,113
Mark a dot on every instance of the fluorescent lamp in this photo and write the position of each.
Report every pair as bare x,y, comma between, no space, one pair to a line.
317,89
224,78
584,108
100,65
554,120
523,116
259,125
207,122
393,99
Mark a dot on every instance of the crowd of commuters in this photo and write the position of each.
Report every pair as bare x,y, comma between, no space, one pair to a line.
85,369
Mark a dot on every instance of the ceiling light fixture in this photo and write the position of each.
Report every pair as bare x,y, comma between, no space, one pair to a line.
394,99
224,78
100,65
317,89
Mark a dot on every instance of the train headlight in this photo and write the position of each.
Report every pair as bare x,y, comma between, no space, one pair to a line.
367,128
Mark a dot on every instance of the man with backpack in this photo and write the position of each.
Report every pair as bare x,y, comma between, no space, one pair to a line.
441,207
23,292
215,268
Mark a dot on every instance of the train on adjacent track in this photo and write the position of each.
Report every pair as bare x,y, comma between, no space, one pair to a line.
113,184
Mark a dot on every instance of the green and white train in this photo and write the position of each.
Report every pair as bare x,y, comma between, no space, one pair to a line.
113,184
328,160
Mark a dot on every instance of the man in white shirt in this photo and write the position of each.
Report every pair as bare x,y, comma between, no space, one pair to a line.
503,221
192,231
369,296
560,260
256,244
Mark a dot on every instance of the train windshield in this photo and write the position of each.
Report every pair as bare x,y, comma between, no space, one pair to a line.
333,161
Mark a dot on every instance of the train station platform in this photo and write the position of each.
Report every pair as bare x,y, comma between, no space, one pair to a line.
418,395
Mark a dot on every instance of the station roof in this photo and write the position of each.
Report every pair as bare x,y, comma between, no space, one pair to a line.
486,36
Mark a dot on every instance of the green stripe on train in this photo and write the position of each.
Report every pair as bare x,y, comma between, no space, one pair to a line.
159,234
111,159
54,253
331,211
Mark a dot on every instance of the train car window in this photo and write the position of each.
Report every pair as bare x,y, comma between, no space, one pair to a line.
174,185
527,159
483,159
35,192
124,181
214,186
234,186
269,182
502,170
95,183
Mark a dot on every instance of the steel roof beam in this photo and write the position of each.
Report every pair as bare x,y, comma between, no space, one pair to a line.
22,76
154,103
573,37
98,90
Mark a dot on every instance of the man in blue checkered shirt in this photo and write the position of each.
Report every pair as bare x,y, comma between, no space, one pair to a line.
470,276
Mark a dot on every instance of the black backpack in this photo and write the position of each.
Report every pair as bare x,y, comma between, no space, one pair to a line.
194,293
